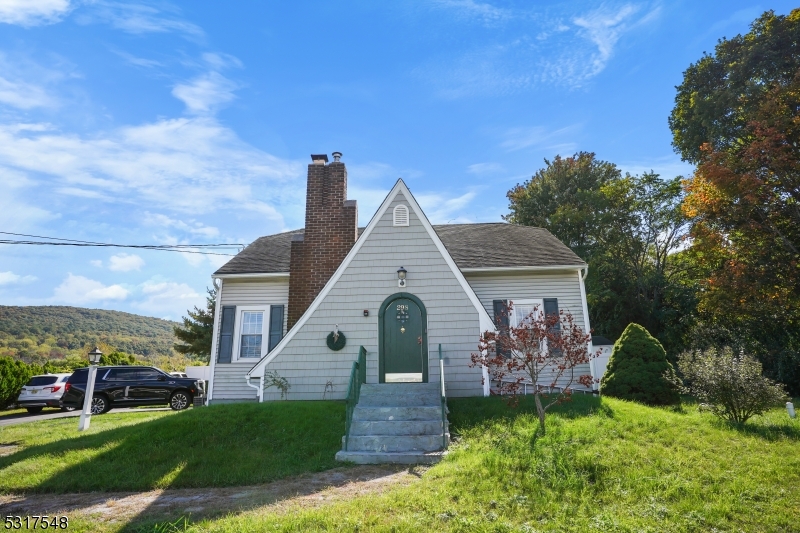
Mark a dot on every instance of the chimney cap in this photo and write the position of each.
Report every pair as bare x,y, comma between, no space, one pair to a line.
319,157
336,156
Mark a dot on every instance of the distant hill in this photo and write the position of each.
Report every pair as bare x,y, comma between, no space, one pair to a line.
55,331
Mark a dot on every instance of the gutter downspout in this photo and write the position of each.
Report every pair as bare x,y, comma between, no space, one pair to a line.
582,276
214,335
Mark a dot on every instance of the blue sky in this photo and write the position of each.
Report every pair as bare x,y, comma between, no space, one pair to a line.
192,122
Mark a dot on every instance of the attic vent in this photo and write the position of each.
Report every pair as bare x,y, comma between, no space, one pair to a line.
401,215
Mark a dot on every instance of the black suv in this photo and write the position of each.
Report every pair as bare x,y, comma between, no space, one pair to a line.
130,386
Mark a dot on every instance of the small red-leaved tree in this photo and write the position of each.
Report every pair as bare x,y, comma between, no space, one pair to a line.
541,352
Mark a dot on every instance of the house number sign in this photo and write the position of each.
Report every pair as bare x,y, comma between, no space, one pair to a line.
402,316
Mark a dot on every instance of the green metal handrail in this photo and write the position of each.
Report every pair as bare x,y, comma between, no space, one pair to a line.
444,400
358,375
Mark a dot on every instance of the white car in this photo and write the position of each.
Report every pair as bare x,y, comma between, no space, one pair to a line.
43,391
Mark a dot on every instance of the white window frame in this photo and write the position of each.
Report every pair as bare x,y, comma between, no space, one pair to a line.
237,328
536,302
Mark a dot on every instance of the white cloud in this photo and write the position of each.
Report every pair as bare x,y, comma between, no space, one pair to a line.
96,263
33,12
442,210
192,226
536,48
80,290
16,214
24,84
186,165
537,136
219,61
168,298
205,93
604,27
9,278
125,262
23,95
138,61
485,168
482,11
139,18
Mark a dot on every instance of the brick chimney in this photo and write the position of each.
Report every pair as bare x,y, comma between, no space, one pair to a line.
331,230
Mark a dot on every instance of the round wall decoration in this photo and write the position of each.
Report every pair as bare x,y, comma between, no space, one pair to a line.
336,340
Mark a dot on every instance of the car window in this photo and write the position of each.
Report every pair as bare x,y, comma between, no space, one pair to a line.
38,381
146,374
79,376
122,374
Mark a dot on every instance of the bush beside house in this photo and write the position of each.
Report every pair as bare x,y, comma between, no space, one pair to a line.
639,370
732,385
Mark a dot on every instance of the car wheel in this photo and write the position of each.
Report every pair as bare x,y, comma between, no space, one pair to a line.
65,409
179,400
99,405
34,410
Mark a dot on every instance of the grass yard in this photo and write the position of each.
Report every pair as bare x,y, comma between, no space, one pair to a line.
607,465
223,445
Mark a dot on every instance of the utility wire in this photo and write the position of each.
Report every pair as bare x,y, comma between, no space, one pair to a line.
182,248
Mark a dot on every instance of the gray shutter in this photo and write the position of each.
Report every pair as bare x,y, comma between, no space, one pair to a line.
275,325
226,334
551,308
501,319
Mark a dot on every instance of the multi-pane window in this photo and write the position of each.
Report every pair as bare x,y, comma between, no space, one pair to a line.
252,327
522,311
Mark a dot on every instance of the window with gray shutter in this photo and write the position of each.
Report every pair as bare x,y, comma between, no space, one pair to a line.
226,334
551,309
275,325
502,322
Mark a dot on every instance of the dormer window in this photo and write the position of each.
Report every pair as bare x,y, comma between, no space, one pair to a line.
401,215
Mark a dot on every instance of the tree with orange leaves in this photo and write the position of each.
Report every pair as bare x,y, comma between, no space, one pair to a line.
736,118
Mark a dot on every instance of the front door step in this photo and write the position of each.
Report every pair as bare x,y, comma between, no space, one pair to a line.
400,458
396,423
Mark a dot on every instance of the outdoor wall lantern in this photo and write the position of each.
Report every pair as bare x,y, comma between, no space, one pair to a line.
86,414
401,277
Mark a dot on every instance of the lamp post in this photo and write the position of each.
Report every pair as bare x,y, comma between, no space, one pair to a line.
86,414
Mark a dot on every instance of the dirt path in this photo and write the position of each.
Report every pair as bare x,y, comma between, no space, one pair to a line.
307,490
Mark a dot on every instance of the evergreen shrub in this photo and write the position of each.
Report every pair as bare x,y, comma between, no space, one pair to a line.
639,370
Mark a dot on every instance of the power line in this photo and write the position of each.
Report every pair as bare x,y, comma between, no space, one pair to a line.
182,248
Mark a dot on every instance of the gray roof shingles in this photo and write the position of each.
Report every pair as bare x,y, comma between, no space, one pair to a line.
492,245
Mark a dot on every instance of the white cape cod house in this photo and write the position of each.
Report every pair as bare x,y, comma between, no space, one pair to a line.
280,298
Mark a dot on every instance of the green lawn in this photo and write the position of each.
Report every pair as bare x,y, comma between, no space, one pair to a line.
603,466
225,445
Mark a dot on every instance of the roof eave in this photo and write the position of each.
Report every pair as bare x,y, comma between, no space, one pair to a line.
477,270
251,275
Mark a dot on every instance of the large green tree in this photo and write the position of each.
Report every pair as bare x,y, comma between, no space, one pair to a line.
628,229
736,118
197,330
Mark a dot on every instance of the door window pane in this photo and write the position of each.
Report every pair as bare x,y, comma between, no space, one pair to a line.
252,326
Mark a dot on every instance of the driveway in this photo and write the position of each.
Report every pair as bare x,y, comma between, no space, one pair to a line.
21,418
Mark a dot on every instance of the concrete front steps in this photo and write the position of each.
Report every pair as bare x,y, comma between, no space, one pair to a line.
396,423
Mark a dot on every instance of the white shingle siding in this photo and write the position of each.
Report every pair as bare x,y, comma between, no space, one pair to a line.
369,279
229,382
561,284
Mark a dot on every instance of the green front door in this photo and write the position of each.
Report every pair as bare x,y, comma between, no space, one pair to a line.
404,354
